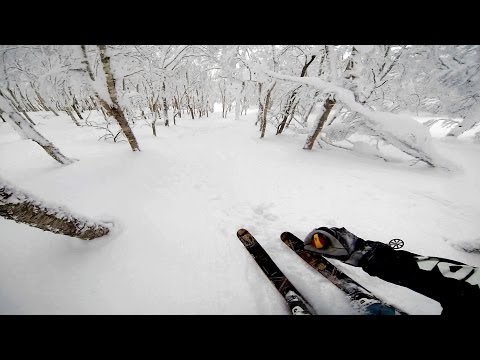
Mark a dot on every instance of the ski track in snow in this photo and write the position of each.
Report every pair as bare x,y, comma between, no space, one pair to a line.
178,203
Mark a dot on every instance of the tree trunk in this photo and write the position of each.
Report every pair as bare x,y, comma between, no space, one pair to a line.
25,103
154,129
40,100
28,117
69,112
310,108
286,113
75,108
115,109
17,106
291,100
263,124
13,99
165,106
54,112
27,131
24,208
224,110
322,117
105,116
32,105
260,105
291,114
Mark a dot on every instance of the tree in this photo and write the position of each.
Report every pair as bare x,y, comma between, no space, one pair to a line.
23,207
27,131
115,108
109,98
412,138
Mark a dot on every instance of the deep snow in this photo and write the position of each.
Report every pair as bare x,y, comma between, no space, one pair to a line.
178,203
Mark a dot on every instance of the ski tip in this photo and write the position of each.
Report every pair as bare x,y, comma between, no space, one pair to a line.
241,232
285,235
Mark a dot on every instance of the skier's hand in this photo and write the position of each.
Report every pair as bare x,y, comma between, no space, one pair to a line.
338,243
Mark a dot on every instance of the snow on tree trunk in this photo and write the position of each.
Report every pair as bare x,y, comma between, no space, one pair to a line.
24,208
319,122
115,109
27,131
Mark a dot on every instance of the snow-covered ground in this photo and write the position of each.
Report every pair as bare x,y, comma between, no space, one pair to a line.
178,203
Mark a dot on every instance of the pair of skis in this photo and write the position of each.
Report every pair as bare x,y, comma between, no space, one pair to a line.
360,298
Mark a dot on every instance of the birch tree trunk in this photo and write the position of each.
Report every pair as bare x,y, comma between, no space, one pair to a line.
263,124
260,105
319,122
116,109
70,113
292,113
75,108
24,208
27,131
17,106
165,107
154,129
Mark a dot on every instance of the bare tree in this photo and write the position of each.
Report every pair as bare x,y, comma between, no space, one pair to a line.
263,124
319,122
290,107
24,208
116,109
27,131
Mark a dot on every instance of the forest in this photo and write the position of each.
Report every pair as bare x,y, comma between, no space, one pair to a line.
89,130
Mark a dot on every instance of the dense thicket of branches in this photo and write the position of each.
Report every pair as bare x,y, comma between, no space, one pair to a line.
326,92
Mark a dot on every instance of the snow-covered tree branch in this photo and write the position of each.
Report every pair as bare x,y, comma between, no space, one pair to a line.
400,131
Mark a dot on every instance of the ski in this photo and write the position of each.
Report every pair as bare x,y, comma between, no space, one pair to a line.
296,302
360,298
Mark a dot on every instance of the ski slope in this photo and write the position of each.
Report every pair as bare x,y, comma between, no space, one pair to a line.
178,203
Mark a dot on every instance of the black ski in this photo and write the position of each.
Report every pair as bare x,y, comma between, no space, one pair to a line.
361,298
297,304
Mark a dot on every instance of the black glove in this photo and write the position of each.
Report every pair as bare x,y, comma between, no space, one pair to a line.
338,243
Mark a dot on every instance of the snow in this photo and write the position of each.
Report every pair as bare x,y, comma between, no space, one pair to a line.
178,203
